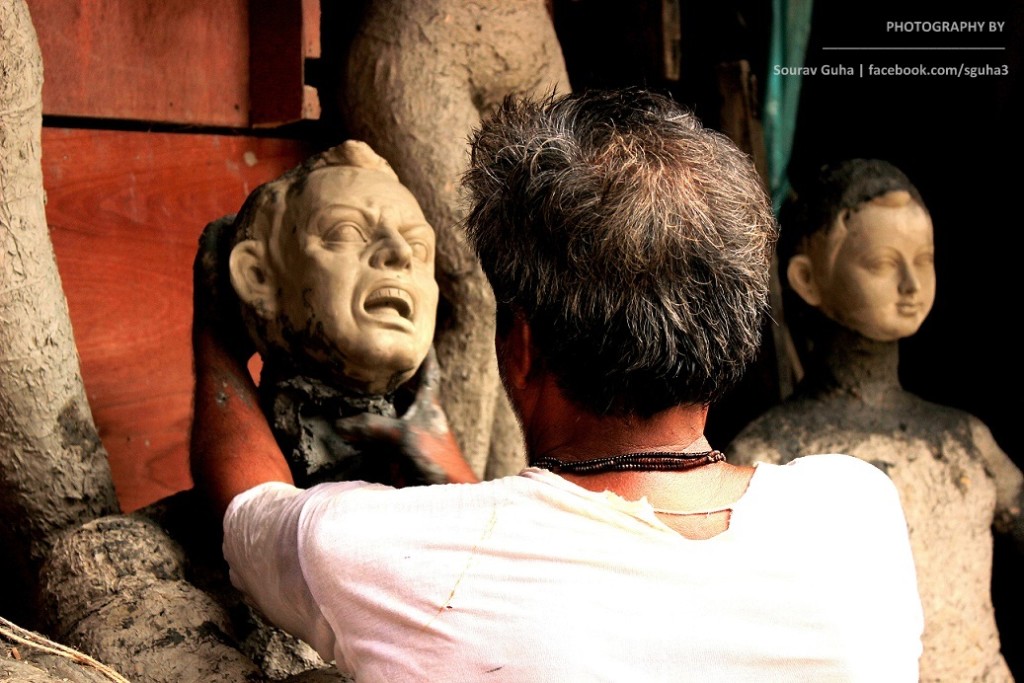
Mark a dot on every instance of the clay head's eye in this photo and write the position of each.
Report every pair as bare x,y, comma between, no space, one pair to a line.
343,233
881,265
421,251
925,259
420,238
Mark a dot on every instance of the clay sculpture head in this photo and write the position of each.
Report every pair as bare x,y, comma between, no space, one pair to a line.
334,265
861,250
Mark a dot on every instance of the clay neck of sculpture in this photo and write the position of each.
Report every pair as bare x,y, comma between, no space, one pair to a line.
846,362
277,377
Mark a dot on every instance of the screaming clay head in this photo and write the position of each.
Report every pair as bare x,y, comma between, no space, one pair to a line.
334,265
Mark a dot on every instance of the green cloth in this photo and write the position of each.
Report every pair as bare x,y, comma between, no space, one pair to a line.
791,28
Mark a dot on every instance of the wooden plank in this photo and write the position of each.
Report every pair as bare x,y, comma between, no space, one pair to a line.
311,29
671,39
281,37
125,211
176,61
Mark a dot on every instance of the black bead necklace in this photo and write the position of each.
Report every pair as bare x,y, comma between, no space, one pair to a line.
660,461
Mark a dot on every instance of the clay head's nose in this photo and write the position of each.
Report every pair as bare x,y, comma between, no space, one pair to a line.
391,250
909,282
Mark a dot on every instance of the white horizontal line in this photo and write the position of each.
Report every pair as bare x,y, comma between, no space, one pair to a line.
913,48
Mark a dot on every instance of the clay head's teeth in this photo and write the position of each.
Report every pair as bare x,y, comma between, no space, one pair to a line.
390,297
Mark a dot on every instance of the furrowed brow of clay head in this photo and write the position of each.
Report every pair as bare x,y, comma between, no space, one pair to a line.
348,277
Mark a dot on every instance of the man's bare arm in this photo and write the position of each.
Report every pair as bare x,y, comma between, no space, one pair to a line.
232,446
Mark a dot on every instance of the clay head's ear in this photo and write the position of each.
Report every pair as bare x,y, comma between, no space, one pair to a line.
252,279
800,273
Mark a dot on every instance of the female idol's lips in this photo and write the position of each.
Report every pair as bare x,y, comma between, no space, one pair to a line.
908,308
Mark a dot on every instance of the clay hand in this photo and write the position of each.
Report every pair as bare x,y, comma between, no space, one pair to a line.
421,435
215,306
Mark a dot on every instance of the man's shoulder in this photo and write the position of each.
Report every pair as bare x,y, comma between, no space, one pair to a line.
830,482
374,543
830,466
380,499
340,515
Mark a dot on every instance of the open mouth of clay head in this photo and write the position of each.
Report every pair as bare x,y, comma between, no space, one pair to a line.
389,301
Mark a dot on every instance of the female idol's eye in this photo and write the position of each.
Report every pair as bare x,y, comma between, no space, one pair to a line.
881,265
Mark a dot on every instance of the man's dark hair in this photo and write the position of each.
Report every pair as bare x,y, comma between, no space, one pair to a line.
635,243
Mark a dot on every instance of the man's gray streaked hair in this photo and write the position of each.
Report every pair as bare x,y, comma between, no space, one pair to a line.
635,242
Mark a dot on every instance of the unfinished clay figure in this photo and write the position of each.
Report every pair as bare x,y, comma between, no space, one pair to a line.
858,250
334,266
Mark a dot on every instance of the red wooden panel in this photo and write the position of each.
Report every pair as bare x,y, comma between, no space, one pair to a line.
125,211
283,33
311,29
178,61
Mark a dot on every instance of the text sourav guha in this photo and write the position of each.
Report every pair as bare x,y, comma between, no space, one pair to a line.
821,70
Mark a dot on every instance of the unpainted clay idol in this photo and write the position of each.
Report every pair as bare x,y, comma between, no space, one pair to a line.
858,251
333,267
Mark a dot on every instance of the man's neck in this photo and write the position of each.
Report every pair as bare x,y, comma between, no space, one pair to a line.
556,427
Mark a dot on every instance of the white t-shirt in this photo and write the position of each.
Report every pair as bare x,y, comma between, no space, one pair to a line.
532,578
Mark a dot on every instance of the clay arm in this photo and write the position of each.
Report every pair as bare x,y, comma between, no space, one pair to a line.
1009,483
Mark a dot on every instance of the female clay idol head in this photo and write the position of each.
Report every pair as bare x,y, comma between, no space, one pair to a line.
334,265
859,249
